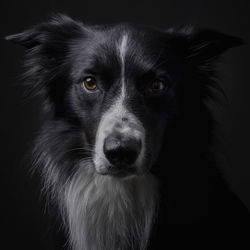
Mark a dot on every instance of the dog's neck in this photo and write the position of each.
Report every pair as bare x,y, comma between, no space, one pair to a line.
104,212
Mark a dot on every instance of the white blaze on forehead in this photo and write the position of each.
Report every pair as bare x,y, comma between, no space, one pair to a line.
123,49
111,120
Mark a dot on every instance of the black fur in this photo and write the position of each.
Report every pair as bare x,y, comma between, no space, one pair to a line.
179,125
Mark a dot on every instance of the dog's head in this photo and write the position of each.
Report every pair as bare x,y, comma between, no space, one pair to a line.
119,86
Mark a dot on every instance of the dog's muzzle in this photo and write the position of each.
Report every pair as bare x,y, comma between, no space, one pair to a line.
120,149
120,143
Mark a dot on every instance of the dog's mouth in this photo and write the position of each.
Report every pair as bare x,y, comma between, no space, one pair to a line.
118,171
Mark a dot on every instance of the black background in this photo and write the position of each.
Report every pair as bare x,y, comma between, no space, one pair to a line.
22,215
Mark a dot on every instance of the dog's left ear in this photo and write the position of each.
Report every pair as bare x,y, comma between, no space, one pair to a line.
201,46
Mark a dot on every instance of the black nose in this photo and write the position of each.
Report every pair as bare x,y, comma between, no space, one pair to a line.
121,150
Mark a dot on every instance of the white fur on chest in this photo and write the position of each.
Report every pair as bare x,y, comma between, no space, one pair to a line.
107,213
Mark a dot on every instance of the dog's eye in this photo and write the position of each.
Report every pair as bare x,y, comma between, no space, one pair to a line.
157,86
90,83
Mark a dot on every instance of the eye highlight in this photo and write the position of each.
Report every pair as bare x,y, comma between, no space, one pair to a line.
157,86
90,83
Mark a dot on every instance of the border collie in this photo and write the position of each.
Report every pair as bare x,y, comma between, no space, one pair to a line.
126,147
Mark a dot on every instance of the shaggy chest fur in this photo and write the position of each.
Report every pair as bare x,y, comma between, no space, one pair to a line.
108,213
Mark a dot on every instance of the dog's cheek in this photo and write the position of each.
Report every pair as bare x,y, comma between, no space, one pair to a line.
157,137
85,112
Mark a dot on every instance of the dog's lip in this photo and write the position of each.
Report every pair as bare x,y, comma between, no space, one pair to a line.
116,172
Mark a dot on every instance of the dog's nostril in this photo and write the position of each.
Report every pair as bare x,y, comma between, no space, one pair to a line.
121,151
124,119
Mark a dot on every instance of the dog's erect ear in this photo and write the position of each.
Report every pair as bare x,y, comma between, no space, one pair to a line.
59,28
48,46
202,46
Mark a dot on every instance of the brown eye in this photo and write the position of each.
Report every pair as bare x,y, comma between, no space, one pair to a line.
90,83
157,86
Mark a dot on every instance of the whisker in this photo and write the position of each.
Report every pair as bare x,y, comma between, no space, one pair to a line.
78,149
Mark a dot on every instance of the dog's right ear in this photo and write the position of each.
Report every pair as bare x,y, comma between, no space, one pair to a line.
59,28
28,38
48,45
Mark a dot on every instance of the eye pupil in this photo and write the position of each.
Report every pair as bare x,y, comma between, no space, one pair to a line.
157,86
90,83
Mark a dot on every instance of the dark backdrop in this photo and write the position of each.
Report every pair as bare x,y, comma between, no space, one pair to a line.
22,215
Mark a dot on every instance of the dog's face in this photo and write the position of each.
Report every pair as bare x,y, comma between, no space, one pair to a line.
118,85
122,91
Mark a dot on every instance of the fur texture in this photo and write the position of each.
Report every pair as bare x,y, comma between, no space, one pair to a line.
176,179
106,213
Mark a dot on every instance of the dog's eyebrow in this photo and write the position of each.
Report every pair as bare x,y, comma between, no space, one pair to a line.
90,70
158,62
148,60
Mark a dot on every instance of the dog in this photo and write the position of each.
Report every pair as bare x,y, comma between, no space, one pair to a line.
126,149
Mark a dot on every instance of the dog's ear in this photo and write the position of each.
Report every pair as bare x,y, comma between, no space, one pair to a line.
47,48
58,29
201,46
